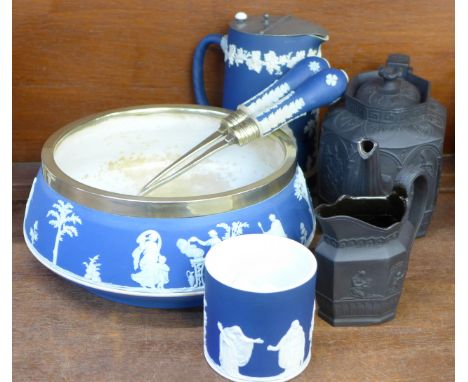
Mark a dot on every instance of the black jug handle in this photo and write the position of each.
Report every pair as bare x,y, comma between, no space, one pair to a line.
412,183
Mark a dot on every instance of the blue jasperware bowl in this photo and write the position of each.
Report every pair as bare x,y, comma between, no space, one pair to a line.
85,222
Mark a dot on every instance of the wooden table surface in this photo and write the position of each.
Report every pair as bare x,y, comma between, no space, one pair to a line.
63,333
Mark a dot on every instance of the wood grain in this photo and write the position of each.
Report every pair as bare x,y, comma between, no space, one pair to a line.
63,333
74,58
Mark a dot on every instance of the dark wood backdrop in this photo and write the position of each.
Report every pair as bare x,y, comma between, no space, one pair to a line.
73,58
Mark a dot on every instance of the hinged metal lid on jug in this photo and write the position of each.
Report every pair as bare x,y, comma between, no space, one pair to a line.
276,26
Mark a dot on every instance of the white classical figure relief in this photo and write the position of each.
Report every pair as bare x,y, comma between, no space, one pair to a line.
276,227
303,233
291,348
281,116
197,254
93,269
64,222
256,60
33,232
235,349
147,257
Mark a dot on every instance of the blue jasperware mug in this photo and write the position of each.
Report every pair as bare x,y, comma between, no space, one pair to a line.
257,51
259,308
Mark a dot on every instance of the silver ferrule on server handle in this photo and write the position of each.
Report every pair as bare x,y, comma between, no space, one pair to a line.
233,119
244,132
240,128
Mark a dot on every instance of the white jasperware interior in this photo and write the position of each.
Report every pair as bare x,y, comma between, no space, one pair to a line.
261,263
122,152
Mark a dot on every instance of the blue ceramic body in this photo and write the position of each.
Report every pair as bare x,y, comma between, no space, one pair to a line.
267,316
100,251
321,89
253,62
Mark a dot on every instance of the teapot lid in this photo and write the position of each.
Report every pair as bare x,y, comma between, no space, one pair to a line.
390,89
276,26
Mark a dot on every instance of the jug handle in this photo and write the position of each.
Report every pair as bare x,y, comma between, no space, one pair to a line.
197,66
414,181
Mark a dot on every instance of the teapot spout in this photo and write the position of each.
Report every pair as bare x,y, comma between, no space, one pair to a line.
367,148
367,178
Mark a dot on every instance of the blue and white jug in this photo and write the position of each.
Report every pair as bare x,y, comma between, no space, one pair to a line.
257,51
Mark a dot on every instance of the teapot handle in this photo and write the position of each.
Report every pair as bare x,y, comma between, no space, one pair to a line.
413,183
197,66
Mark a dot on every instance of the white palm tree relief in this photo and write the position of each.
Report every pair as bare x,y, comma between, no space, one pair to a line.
236,229
93,269
64,221
33,234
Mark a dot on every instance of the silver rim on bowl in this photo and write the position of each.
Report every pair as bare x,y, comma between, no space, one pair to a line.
162,207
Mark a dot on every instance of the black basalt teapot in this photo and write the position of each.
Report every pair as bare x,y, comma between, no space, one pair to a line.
390,108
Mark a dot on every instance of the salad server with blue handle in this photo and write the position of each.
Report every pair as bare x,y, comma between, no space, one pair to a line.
263,114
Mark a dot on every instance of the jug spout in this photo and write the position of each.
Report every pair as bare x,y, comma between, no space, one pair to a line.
362,219
367,178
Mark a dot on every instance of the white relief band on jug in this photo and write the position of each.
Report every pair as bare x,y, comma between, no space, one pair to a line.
256,60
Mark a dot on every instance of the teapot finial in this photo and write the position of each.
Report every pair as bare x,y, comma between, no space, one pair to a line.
390,75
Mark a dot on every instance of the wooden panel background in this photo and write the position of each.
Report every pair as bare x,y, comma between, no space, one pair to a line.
73,58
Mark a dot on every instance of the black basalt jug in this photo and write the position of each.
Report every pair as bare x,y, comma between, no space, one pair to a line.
392,108
364,249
